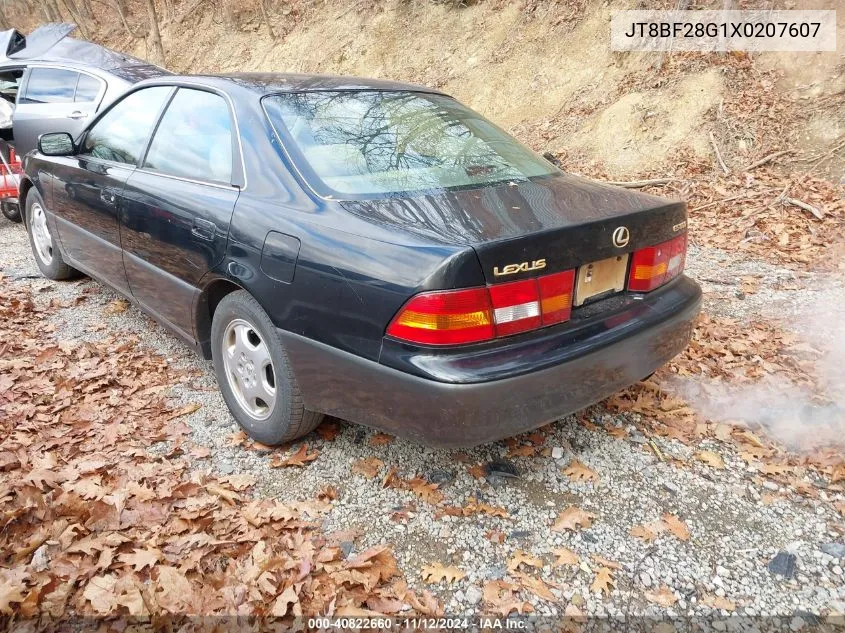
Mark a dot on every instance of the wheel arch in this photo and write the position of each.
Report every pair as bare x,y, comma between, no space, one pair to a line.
23,191
209,298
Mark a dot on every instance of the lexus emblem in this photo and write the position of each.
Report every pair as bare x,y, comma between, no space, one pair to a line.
621,237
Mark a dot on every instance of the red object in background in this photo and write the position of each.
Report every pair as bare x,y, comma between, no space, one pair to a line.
9,176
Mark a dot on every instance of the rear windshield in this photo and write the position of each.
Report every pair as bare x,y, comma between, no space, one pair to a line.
369,143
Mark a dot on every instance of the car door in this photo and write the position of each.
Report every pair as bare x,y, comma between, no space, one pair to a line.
54,99
177,206
87,186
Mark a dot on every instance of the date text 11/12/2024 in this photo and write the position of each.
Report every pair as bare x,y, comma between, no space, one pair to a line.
416,623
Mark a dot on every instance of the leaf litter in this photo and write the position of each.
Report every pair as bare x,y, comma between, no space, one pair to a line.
95,523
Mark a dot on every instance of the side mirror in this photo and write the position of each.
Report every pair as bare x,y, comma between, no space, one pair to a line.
56,144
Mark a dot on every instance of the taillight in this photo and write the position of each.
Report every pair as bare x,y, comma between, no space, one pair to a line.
449,317
453,317
516,306
653,266
556,296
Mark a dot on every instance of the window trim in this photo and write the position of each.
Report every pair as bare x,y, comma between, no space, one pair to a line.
232,132
24,87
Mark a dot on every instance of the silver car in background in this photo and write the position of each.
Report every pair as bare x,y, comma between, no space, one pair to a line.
55,83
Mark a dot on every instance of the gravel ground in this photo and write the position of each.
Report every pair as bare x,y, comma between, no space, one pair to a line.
734,533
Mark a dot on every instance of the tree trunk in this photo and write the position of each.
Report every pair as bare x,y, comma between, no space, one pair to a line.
84,7
76,17
55,12
228,13
155,34
121,11
263,6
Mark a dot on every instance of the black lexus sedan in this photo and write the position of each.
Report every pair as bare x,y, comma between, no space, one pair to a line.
366,249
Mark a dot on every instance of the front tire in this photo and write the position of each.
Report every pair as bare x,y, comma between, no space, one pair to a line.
44,247
254,373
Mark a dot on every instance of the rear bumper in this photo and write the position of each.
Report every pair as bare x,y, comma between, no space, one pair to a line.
453,414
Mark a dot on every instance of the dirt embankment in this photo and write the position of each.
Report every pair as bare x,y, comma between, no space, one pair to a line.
543,70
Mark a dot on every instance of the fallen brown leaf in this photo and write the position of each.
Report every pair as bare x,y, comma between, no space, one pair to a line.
662,596
710,458
537,586
328,431
522,451
603,582
140,558
117,306
436,572
369,467
298,458
479,471
676,526
380,439
428,492
572,519
601,560
578,471
647,532
495,536
718,602
565,557
523,558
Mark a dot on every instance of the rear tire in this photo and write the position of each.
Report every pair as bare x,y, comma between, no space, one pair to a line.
254,374
44,247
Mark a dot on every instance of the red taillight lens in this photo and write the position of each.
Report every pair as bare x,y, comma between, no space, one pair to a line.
449,317
655,265
556,296
453,317
677,258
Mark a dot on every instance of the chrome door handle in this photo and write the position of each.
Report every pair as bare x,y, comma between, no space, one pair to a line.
76,114
107,196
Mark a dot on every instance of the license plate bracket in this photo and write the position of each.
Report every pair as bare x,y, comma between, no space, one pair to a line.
606,276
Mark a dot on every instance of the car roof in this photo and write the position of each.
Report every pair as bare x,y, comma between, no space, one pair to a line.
49,44
269,83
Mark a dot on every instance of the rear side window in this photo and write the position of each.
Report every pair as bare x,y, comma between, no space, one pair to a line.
123,131
87,89
194,138
51,85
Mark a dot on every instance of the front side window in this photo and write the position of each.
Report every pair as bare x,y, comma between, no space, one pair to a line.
87,89
123,131
371,143
194,138
51,85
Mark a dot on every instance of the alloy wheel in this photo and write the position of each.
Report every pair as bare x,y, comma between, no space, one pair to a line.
249,369
41,235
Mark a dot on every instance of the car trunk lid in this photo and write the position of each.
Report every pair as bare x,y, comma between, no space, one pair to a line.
530,228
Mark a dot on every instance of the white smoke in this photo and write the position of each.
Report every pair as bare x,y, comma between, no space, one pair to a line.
800,418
